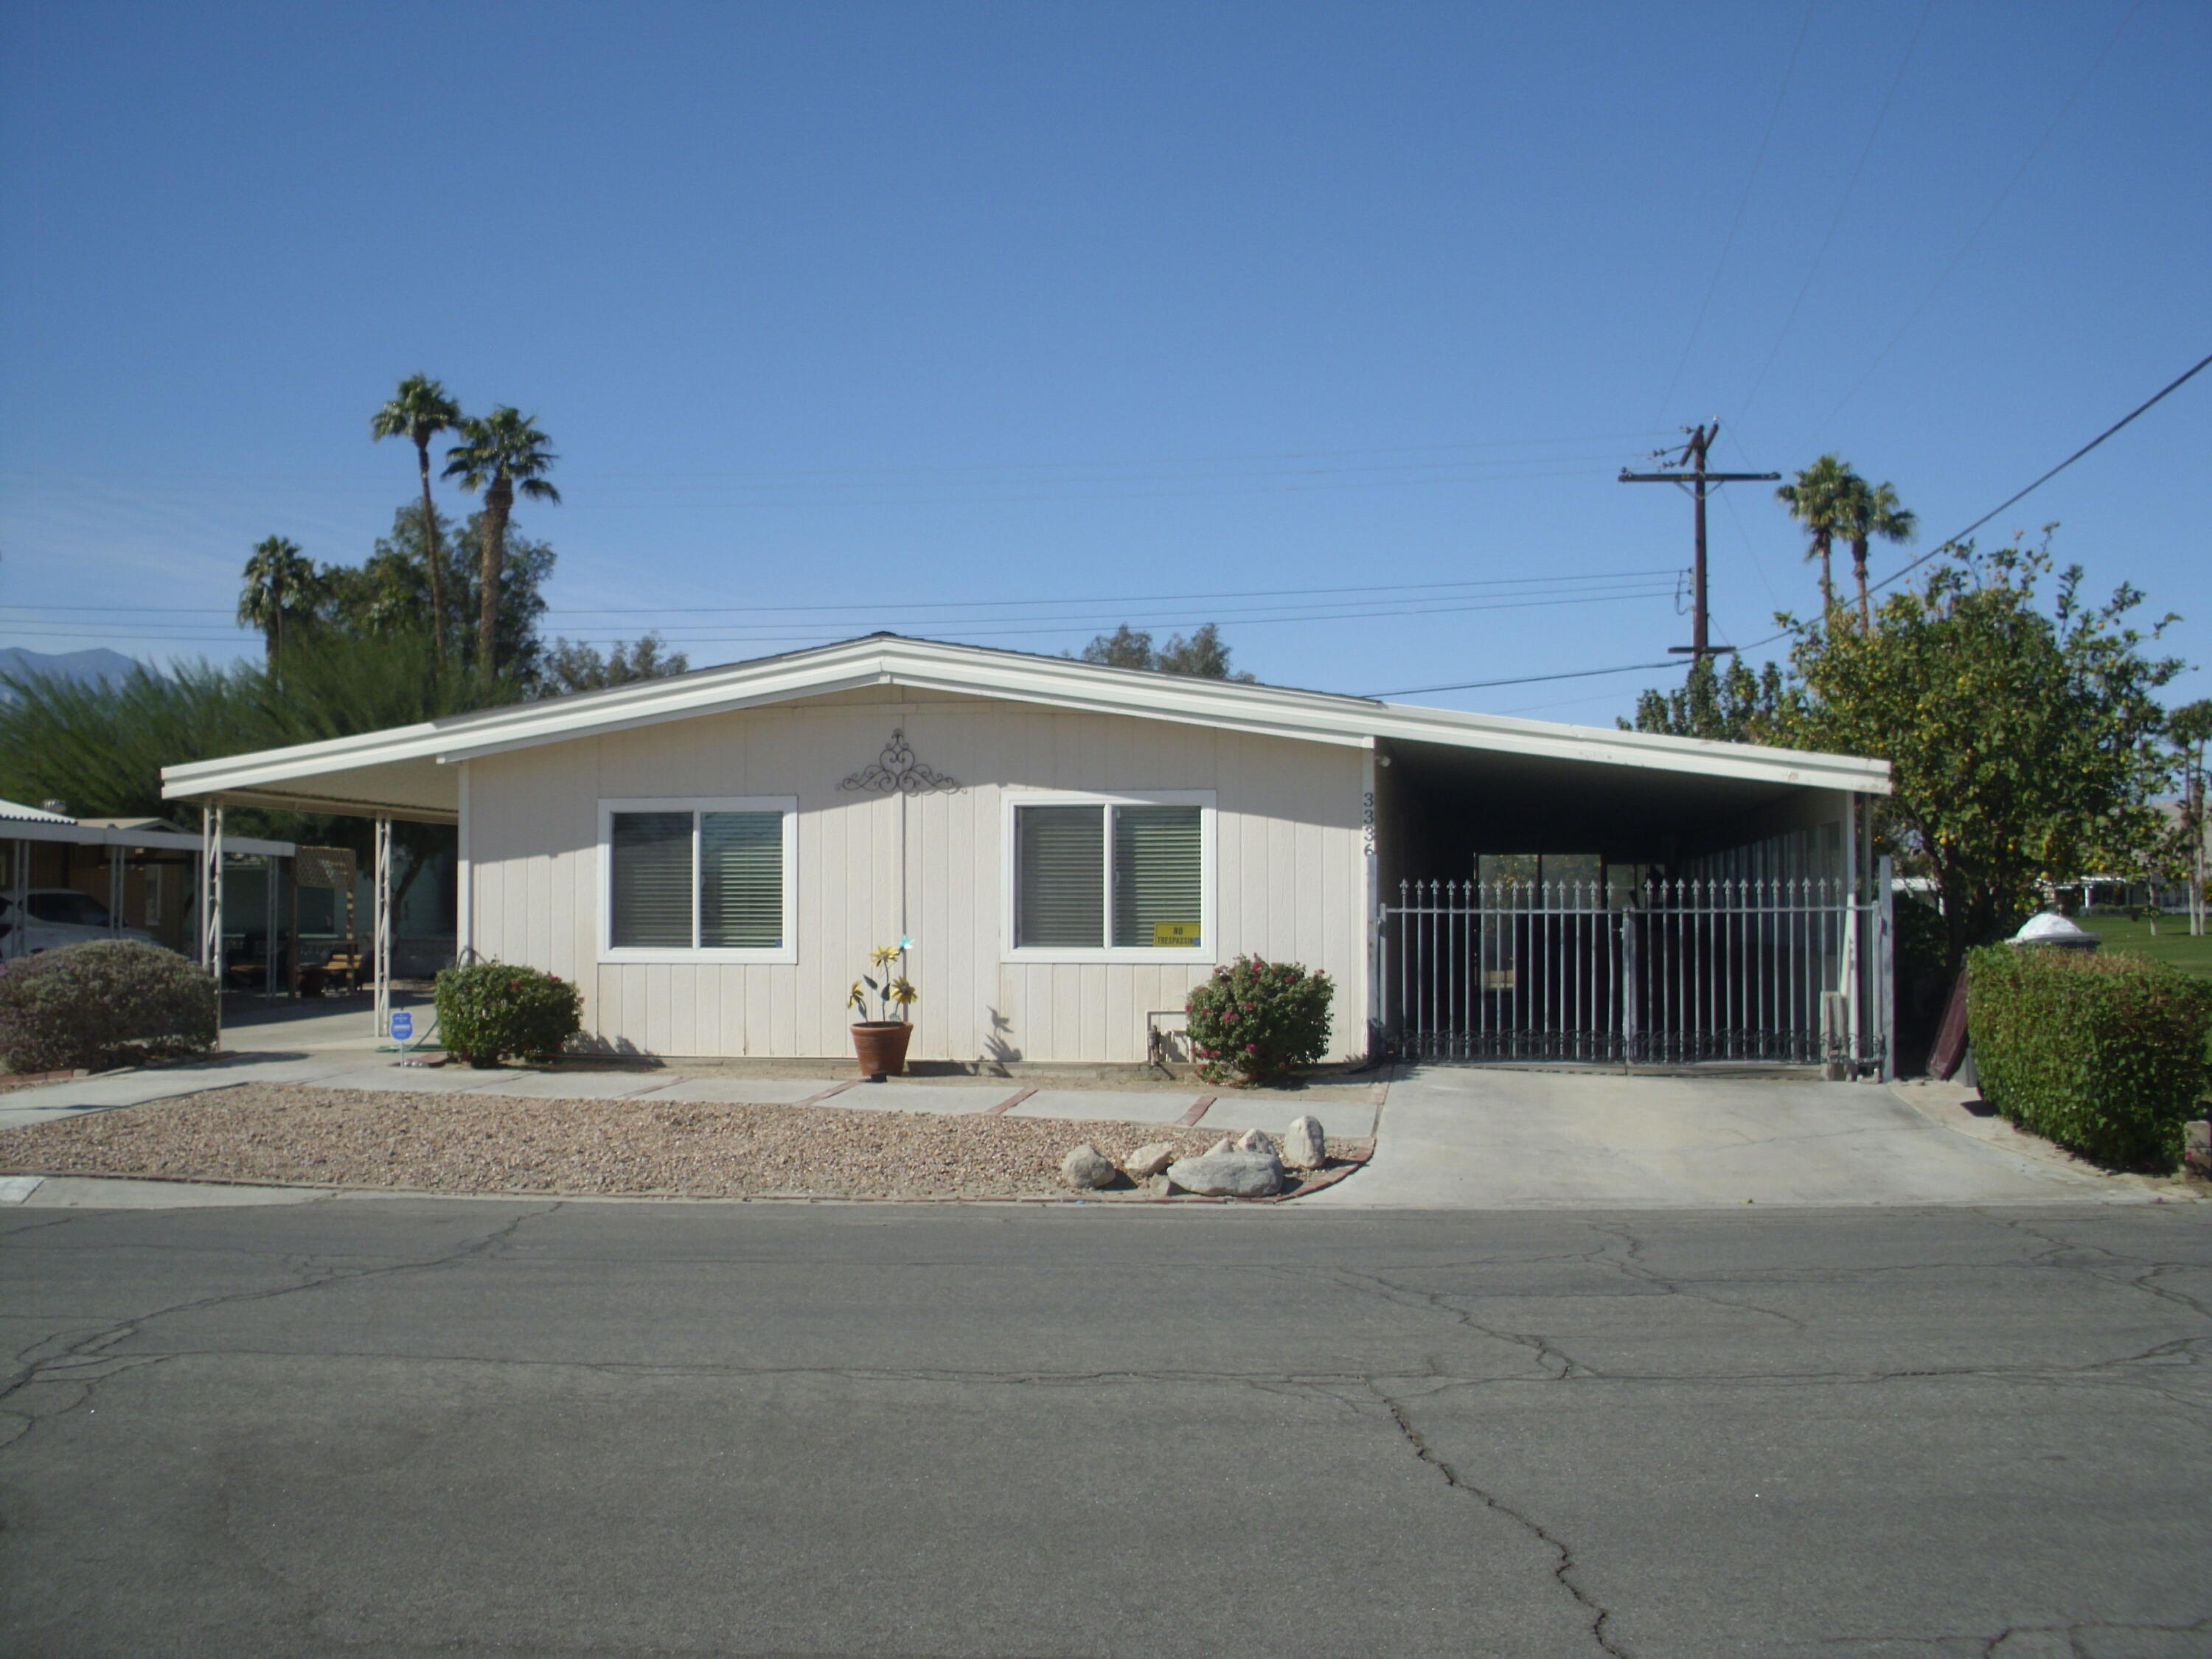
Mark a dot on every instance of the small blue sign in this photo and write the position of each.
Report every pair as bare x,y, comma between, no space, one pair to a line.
403,1025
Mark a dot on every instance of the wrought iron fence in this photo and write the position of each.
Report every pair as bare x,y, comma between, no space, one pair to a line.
1665,972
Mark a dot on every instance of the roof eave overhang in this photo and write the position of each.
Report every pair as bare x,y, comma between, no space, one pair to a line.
1302,716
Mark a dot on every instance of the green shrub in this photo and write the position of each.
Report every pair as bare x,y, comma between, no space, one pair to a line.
1255,1020
489,1010
111,1002
2103,1054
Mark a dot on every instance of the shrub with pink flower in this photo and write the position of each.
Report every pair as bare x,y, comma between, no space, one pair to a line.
1256,1021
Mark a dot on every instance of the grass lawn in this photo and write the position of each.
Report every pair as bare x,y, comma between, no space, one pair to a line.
2173,943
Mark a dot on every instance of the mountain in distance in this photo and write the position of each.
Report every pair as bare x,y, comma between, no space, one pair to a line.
98,664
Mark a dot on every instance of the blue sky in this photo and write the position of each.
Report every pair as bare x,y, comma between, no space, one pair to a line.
1004,323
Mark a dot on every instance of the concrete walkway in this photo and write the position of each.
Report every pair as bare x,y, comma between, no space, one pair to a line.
338,1049
1494,1138
1446,1138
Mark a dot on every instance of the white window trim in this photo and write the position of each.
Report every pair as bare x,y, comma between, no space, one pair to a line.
787,804
1009,876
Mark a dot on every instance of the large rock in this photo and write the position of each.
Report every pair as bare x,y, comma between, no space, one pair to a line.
1148,1161
1305,1147
1229,1174
1223,1144
1253,1141
1086,1168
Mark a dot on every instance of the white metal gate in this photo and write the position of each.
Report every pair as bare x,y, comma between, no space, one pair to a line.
1669,972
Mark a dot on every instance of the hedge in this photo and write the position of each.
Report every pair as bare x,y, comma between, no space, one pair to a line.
2104,1054
109,1002
489,1010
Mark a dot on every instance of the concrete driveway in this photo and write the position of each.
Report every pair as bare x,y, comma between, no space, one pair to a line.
1469,1137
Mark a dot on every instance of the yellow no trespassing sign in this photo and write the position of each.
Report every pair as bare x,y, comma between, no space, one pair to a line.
1174,934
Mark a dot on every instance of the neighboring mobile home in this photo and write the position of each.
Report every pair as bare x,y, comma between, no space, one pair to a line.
1071,849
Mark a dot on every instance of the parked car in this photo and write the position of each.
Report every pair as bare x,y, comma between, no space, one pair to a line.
57,916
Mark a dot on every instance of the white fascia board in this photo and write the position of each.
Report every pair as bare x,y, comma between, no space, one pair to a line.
1304,716
1698,756
1182,711
305,760
723,701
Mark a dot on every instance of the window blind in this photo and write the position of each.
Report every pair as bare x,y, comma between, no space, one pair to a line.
1157,897
1059,854
741,880
650,879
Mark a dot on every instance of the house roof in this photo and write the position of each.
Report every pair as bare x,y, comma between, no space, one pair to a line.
408,771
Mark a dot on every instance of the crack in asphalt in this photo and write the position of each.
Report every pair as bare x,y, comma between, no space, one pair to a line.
1564,1568
1558,1364
1631,1265
89,1347
78,1365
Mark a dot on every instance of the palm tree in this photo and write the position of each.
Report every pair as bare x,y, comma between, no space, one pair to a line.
418,412
278,583
1814,501
498,454
1864,511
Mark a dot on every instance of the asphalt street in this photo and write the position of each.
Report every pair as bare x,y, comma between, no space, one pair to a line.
383,1428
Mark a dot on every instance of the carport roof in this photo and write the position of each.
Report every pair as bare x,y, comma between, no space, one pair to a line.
408,772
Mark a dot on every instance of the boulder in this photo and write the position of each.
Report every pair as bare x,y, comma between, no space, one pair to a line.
1223,1144
1253,1141
1086,1167
1305,1147
1148,1161
1229,1174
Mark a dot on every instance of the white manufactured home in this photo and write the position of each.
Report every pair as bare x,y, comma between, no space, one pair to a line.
1070,848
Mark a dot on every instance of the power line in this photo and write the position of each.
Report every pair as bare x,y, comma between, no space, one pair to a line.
1844,202
1525,680
1034,626
1742,202
1947,545
1974,235
1645,575
2171,386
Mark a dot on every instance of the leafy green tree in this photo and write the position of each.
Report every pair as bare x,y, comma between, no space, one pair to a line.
1864,511
1734,705
280,588
500,454
1202,656
419,411
579,667
1124,647
1815,500
101,745
2023,737
388,593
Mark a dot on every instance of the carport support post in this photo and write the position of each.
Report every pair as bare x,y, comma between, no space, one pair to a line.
1376,1011
211,903
382,890
1884,966
268,925
1847,980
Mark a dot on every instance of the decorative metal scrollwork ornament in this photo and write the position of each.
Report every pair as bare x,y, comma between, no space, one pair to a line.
896,771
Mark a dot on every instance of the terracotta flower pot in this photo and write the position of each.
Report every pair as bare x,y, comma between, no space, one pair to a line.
881,1046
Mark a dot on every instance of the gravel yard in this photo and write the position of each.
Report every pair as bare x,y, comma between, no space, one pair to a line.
494,1144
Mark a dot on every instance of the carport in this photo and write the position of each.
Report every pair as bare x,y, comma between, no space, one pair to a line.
1698,905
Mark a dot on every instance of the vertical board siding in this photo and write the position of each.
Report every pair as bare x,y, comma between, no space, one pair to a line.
1289,876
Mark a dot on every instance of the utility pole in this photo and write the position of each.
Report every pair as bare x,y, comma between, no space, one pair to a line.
1692,455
